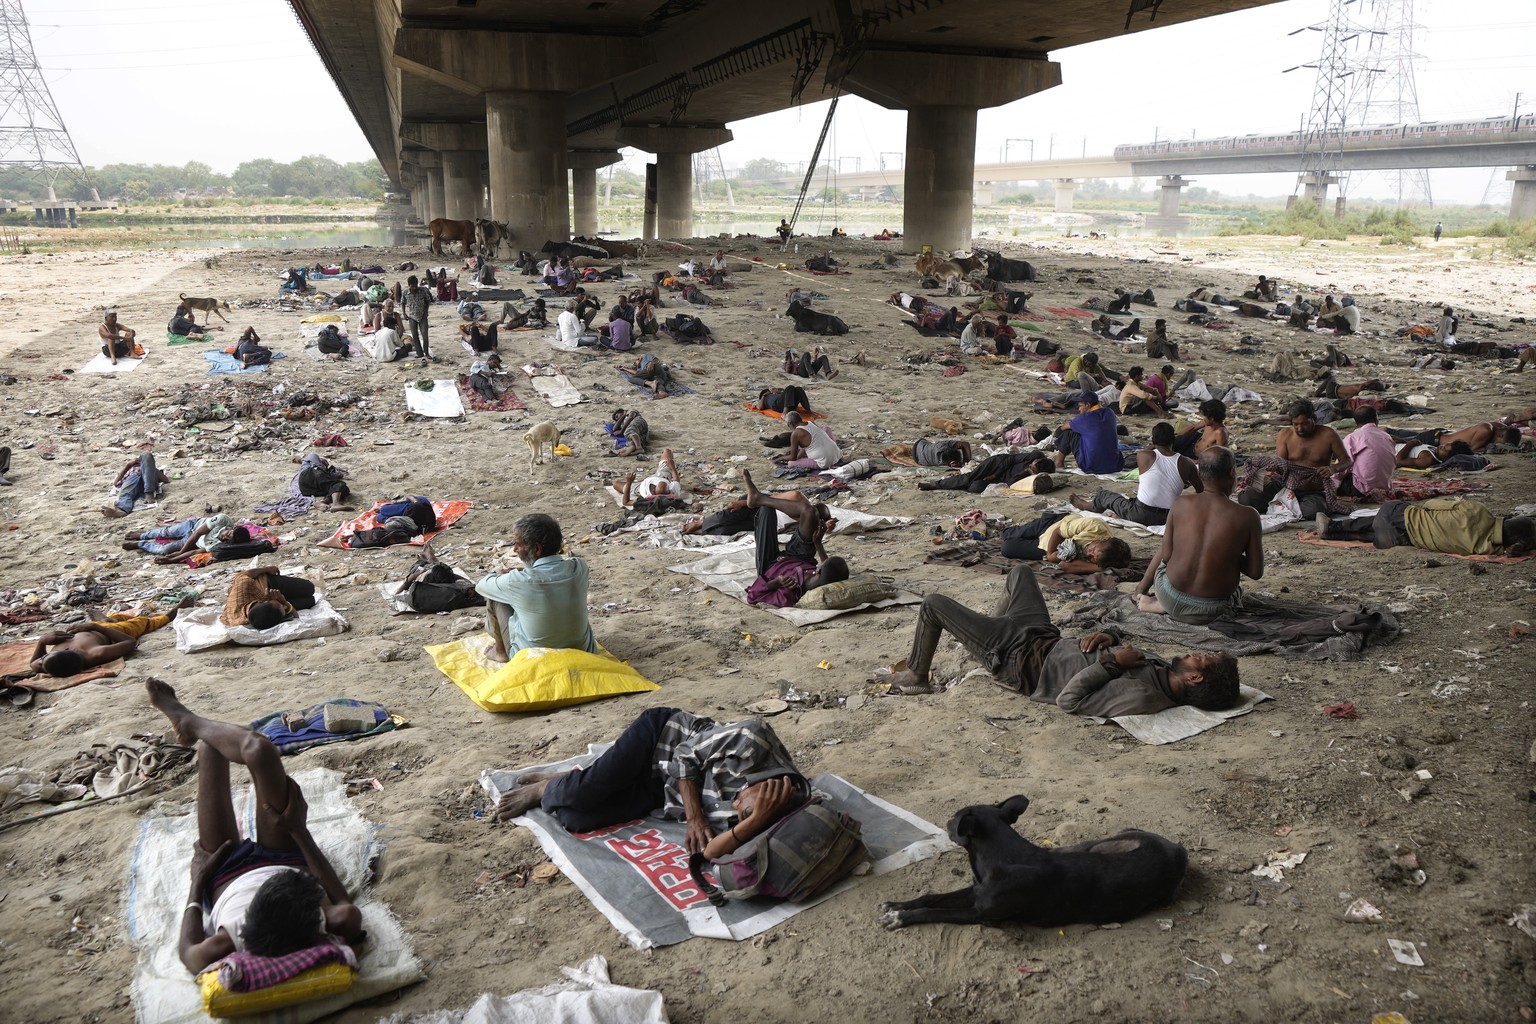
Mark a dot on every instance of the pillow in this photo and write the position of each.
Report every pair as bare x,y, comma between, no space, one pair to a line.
847,594
315,983
537,678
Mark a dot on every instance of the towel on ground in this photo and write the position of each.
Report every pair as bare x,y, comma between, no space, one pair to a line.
557,390
101,364
221,362
587,997
164,993
448,513
330,721
16,660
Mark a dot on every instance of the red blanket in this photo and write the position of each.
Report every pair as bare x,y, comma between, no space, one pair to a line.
506,403
1404,488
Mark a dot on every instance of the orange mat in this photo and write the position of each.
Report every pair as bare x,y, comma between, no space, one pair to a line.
448,513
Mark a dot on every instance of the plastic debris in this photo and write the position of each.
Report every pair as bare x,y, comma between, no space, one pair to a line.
1405,952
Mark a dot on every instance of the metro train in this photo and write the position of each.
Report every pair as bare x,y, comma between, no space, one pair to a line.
1430,133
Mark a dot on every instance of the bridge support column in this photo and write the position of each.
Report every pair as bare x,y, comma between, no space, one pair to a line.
431,165
584,165
1314,187
461,184
1168,220
525,132
982,195
1522,200
1065,187
941,140
674,148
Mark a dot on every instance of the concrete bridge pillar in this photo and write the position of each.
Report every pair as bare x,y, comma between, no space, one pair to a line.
525,132
674,148
1314,187
982,195
1168,220
461,183
1065,187
584,164
430,164
1522,200
941,139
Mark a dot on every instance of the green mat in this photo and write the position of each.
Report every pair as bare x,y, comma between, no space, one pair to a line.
181,339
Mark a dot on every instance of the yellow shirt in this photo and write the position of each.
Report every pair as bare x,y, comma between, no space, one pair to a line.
1455,526
1083,529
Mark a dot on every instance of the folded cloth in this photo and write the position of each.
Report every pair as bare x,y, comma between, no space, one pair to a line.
330,721
247,972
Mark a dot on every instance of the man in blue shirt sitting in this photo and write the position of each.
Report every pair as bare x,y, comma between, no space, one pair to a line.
542,605
1091,437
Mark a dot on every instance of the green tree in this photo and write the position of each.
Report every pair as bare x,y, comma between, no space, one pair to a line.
136,191
761,168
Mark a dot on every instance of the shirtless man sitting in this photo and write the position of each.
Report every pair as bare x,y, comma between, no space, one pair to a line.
1313,453
1208,542
116,340
90,644
272,894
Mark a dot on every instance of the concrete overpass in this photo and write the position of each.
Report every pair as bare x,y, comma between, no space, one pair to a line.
463,97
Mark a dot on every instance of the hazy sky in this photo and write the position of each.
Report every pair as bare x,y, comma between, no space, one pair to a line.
176,80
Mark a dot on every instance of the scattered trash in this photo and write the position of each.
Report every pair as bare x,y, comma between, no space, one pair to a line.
545,872
1405,953
1341,711
1390,1017
768,708
1362,911
1525,920
1275,864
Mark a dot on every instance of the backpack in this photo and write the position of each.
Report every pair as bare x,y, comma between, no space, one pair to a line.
804,854
435,587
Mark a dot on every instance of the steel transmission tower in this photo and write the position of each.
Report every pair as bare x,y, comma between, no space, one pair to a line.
1390,95
32,134
1322,143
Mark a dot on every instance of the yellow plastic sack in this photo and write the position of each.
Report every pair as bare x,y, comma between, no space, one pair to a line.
536,679
323,318
315,983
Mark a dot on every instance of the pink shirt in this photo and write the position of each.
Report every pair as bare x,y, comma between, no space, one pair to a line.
1372,457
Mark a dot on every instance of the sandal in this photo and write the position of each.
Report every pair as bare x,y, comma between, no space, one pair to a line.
18,695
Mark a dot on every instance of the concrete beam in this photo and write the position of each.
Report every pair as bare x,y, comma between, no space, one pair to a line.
477,62
444,135
906,79
674,138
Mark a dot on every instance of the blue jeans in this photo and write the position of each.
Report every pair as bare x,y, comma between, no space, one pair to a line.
162,540
623,784
143,482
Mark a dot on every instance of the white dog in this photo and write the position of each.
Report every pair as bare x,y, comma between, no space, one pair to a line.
537,437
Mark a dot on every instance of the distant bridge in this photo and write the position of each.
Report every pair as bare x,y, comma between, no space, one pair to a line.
1491,142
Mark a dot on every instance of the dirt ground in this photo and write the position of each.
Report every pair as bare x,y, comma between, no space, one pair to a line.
1450,697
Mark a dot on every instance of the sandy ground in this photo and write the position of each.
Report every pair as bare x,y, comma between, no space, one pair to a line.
1285,778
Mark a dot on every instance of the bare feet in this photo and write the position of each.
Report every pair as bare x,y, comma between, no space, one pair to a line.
522,800
1149,604
164,699
754,496
112,512
1080,503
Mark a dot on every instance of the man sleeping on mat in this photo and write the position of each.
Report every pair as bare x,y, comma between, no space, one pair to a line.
270,895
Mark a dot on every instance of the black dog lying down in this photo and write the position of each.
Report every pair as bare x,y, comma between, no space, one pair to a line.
1097,882
809,320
